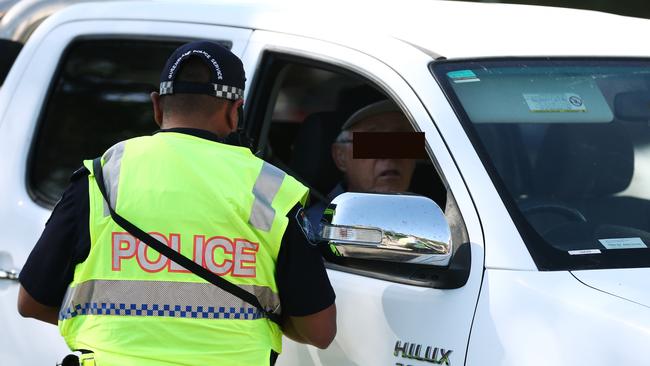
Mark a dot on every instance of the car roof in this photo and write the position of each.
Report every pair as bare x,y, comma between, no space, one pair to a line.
452,29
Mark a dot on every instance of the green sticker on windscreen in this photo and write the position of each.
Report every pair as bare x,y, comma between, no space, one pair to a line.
463,76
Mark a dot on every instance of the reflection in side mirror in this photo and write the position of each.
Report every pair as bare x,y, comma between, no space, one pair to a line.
389,227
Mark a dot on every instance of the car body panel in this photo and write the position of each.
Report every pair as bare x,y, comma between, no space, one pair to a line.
508,313
373,315
579,326
627,283
574,32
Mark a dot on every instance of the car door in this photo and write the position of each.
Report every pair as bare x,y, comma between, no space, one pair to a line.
388,313
76,89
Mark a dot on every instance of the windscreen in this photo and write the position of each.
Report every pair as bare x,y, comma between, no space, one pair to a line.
567,143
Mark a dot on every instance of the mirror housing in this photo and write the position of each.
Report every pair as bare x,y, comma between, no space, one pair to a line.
399,228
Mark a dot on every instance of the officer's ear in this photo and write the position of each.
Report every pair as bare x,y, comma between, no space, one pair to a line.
157,108
234,109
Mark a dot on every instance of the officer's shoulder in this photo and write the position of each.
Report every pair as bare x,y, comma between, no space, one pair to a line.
79,173
270,168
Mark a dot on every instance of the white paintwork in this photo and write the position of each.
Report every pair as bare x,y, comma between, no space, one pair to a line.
550,318
21,98
628,283
452,29
508,313
374,314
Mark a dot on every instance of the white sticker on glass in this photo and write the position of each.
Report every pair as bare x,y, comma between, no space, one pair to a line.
555,102
584,251
623,243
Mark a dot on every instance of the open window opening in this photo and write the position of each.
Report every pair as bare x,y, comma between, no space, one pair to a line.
295,115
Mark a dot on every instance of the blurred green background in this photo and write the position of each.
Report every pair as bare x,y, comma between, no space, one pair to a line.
634,8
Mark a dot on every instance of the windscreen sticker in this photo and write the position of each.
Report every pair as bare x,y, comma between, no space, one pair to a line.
623,243
584,251
555,102
463,76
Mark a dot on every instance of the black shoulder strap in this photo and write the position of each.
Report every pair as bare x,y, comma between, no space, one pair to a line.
174,255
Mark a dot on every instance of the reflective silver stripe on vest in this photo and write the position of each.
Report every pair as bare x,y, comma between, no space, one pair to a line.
163,298
111,170
266,187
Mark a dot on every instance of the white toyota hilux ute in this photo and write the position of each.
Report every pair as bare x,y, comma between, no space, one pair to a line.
526,239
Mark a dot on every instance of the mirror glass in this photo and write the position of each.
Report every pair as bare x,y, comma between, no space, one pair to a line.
391,227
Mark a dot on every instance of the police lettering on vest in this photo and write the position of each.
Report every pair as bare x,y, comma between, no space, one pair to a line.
218,254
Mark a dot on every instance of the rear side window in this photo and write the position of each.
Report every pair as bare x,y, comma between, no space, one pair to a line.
100,96
8,52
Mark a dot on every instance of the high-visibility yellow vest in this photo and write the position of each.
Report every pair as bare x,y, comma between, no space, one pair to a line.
218,205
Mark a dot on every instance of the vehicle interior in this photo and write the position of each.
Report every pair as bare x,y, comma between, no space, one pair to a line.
573,175
580,184
308,104
100,96
293,119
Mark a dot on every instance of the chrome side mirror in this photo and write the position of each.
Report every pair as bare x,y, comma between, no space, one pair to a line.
7,271
388,227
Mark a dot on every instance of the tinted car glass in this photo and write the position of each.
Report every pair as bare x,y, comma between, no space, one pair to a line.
100,96
567,141
8,52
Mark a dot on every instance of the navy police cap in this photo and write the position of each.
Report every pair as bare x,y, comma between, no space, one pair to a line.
227,80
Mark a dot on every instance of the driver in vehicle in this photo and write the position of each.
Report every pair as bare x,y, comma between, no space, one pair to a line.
368,175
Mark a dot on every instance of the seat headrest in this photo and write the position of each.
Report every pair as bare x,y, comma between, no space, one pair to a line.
312,159
583,161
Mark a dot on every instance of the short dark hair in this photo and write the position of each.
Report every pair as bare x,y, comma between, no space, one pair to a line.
193,70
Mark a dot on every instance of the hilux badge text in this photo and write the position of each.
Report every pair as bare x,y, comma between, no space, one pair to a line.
438,356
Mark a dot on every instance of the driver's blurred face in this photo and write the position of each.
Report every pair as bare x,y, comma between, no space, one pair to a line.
374,175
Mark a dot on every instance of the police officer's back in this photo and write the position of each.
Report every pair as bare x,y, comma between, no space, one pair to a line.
217,204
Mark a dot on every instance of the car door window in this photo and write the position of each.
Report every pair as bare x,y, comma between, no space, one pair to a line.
296,112
99,96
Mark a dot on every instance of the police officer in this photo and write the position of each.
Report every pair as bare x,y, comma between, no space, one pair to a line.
123,303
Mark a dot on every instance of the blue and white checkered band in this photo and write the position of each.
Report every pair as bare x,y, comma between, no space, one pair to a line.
163,299
166,87
219,91
227,92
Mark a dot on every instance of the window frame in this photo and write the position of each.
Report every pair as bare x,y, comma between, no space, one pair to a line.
259,109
